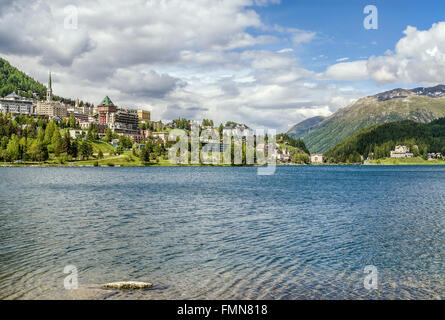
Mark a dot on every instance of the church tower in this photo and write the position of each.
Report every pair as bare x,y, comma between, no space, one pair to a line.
49,91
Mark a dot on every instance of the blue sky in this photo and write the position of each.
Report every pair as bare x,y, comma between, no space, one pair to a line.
266,63
339,24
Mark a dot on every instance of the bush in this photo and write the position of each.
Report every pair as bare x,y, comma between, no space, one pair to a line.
62,159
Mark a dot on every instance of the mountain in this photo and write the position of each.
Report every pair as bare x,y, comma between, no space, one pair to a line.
14,80
301,128
380,139
419,104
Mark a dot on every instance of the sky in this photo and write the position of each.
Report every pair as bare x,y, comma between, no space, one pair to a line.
265,63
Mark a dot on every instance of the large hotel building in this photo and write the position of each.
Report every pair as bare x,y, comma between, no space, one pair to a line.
15,104
125,121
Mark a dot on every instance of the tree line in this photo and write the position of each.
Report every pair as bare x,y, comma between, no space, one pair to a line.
25,138
377,141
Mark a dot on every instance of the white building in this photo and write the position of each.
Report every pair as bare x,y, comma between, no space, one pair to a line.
433,156
76,133
317,158
15,104
401,152
163,136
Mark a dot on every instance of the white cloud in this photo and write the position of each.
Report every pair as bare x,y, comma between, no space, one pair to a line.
30,29
349,71
285,50
419,57
302,37
195,59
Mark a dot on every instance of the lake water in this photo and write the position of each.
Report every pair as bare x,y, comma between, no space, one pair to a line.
306,232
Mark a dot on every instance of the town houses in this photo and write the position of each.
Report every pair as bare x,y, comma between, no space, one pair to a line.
108,120
122,121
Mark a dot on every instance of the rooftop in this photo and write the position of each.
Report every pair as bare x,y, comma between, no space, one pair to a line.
13,96
106,102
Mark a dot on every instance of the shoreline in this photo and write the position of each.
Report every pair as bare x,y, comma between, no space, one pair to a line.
50,165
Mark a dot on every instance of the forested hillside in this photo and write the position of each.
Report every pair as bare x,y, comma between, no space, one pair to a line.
381,139
420,105
14,80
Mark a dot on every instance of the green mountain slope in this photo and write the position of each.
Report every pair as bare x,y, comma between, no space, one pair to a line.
13,80
420,105
377,141
303,127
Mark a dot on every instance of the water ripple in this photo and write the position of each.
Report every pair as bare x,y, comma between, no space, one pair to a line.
223,233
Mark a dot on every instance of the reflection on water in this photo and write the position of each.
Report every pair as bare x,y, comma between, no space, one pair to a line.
223,233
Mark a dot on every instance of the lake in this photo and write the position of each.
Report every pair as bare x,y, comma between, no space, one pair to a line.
306,232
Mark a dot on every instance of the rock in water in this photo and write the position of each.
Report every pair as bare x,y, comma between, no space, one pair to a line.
128,285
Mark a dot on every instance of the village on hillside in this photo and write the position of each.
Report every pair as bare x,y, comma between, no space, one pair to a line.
113,123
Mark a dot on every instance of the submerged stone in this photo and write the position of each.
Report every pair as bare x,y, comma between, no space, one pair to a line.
128,285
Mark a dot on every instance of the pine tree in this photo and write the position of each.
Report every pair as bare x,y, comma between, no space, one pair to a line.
13,148
86,150
66,143
56,142
145,155
72,123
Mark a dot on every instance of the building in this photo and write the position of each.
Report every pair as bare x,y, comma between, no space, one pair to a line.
124,121
401,152
119,120
104,109
162,136
156,125
317,158
49,107
434,156
79,116
49,90
84,125
77,133
15,104
144,116
80,113
138,138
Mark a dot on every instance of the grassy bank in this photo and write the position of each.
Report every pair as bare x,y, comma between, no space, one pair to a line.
409,161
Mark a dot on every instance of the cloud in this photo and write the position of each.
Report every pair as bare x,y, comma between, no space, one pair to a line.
347,71
419,57
31,29
144,84
285,50
194,59
175,111
302,37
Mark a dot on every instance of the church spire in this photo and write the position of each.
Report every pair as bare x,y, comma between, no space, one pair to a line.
49,91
